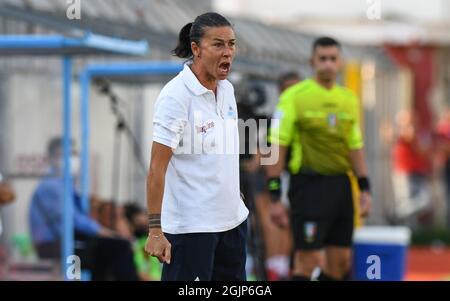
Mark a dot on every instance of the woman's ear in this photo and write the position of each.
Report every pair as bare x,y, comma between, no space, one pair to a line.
195,49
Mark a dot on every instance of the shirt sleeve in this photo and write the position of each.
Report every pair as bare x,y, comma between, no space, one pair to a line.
83,222
282,129
355,140
48,202
169,121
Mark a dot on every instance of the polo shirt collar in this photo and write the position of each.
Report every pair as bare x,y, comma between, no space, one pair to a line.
192,82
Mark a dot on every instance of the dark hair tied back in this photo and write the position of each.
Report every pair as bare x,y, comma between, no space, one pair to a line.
194,31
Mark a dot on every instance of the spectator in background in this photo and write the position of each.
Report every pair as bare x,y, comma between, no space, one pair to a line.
412,167
6,196
287,80
108,254
443,138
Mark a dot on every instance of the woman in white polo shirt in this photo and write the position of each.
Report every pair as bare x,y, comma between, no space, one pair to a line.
196,215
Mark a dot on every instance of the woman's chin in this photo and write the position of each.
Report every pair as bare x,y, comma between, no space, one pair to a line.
222,75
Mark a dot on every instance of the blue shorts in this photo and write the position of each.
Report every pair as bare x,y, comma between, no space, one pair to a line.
216,256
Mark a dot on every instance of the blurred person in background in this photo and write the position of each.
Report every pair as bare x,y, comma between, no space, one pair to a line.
7,196
321,119
278,242
251,180
107,255
287,80
443,137
412,154
149,267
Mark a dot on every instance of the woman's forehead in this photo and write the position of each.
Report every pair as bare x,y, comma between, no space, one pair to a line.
220,33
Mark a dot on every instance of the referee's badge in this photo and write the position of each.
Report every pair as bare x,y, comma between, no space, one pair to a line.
332,120
310,229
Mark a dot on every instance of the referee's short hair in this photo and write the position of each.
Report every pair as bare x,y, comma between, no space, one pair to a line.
325,42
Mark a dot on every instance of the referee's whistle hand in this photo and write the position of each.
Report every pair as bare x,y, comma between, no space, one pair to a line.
158,246
279,215
366,203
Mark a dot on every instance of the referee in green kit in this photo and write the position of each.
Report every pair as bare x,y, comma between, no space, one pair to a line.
319,120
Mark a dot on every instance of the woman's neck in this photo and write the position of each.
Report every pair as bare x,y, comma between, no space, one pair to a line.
204,78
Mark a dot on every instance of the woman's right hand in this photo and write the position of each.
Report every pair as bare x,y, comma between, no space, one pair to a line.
158,246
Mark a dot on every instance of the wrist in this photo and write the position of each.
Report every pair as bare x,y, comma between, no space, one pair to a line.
154,221
274,188
364,184
155,232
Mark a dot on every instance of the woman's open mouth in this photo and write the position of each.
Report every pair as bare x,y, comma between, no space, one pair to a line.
225,67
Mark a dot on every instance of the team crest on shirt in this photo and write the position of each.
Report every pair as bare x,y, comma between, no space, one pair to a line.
332,120
231,113
310,231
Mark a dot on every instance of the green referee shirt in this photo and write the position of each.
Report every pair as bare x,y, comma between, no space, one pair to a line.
320,125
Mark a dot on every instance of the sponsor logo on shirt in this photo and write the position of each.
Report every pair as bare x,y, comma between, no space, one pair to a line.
204,128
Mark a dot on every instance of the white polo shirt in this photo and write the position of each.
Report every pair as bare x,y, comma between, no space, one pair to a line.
201,192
